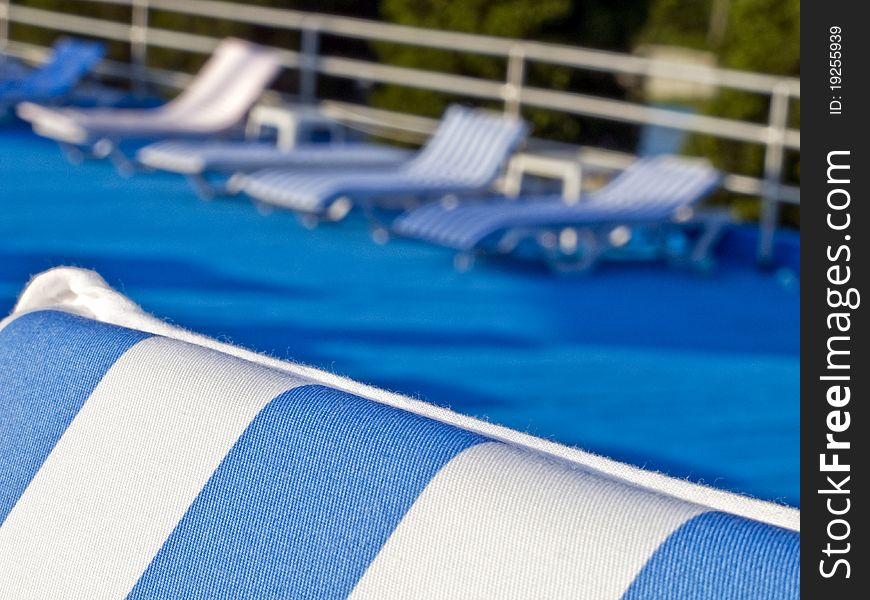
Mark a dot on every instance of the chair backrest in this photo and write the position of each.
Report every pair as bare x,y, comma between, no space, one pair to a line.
468,146
70,60
666,181
228,84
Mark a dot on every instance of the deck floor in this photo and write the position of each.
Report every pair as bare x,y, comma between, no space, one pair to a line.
694,376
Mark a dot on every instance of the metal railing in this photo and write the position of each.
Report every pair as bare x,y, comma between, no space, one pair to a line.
775,136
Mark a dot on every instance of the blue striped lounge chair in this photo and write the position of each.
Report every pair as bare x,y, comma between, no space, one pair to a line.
216,101
70,60
206,163
655,193
139,460
464,155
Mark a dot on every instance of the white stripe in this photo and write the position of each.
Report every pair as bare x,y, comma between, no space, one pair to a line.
499,522
86,294
127,468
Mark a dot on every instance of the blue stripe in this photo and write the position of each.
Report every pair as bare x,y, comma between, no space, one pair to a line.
716,555
304,501
50,362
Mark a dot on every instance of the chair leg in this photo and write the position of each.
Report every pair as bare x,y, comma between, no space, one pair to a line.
73,154
123,165
205,189
379,231
464,261
713,227
308,220
263,208
339,209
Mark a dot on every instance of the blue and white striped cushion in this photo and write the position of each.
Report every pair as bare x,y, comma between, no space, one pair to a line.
195,157
649,190
158,465
464,155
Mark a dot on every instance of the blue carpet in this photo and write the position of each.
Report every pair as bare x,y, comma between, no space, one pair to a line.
696,376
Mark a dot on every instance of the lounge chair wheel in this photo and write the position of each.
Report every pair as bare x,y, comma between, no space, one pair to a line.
309,221
339,209
380,235
630,218
102,148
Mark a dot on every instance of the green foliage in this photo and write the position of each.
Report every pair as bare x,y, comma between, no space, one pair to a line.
759,35
508,18
678,23
763,35
597,23
511,18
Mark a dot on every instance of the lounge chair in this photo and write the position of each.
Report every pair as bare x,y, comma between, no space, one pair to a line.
205,163
140,460
69,62
465,154
651,193
216,100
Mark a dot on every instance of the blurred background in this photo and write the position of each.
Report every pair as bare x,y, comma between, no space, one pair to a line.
761,36
691,374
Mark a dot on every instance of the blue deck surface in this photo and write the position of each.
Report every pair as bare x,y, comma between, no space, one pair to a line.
691,375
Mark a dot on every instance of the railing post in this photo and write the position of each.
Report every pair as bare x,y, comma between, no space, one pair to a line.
516,75
139,45
4,23
309,51
774,155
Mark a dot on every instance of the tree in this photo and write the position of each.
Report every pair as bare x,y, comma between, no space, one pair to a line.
595,23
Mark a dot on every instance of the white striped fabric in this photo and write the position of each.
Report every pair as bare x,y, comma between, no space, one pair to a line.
478,525
197,157
217,99
650,190
144,466
148,455
464,154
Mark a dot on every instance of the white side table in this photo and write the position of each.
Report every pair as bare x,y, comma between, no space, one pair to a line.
294,124
566,168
